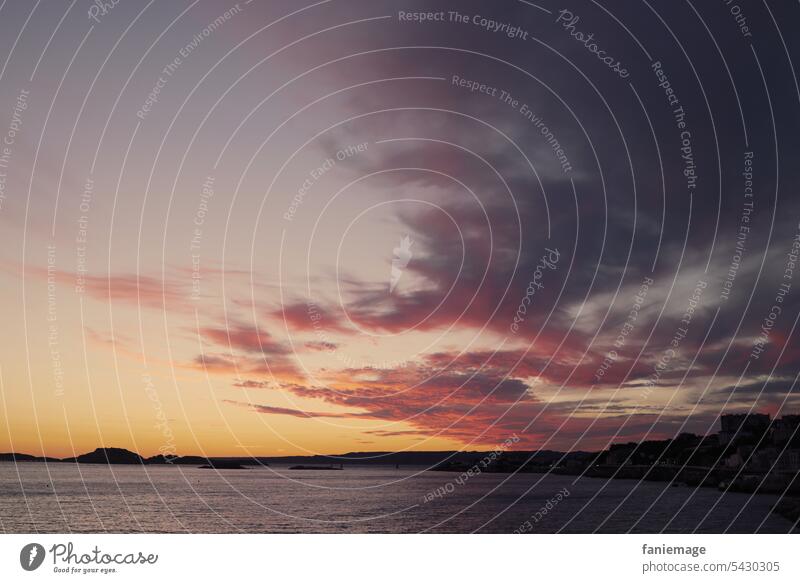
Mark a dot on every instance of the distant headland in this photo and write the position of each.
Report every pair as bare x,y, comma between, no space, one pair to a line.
751,453
118,455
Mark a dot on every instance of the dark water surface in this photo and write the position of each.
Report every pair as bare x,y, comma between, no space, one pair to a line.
38,497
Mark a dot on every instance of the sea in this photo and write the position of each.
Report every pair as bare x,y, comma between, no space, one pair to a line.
38,497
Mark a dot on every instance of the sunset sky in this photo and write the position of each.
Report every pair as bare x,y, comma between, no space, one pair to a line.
283,228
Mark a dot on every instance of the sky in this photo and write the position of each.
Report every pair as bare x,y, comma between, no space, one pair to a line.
278,228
